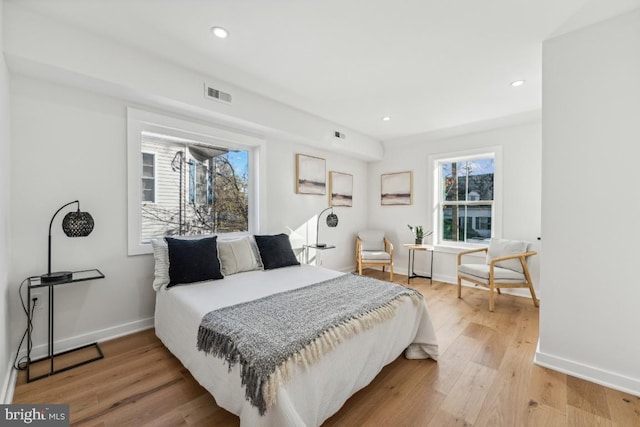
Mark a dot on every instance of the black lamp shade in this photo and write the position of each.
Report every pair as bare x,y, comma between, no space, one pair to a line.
77,224
332,220
74,224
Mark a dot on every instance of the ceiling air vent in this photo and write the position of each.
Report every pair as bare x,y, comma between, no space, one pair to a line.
340,135
216,94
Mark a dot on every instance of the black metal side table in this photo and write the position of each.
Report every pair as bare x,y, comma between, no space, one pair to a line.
412,253
316,247
35,283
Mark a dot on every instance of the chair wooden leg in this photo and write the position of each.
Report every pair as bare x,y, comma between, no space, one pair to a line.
491,296
390,272
533,295
360,268
459,287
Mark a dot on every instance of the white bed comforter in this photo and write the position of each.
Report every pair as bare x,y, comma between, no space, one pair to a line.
313,394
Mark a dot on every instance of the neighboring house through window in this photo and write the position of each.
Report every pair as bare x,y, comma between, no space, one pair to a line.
189,180
464,195
148,177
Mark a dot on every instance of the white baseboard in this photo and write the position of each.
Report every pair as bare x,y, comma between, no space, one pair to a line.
9,386
349,269
106,334
588,373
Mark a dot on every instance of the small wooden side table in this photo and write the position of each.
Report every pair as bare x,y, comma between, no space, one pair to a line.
412,253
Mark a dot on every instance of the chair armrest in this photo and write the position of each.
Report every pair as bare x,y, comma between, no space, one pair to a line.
388,245
523,261
470,251
522,255
358,247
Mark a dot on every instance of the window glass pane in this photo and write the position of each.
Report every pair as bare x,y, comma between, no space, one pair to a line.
467,180
148,190
451,182
148,183
230,191
201,189
479,175
147,171
471,224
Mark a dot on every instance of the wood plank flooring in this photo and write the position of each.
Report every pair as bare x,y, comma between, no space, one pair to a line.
484,377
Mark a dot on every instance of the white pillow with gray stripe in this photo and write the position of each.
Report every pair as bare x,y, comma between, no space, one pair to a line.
161,257
239,255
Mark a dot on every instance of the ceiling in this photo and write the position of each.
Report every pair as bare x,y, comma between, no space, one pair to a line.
427,64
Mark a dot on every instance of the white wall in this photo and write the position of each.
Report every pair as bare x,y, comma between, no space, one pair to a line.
69,93
70,144
6,344
298,212
591,130
521,191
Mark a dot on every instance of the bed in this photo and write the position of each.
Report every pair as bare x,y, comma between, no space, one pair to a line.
311,393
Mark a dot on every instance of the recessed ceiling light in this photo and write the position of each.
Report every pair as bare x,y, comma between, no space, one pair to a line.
517,83
386,118
220,32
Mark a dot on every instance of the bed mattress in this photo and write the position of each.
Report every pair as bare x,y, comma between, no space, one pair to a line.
313,393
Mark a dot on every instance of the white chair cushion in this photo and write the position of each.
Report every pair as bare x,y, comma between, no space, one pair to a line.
376,256
503,247
372,240
480,272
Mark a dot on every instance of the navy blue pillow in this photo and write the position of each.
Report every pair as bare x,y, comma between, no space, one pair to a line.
193,260
276,251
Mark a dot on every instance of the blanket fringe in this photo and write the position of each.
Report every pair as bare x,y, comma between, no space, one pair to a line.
326,342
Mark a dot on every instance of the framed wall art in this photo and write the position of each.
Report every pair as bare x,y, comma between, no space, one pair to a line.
340,189
396,188
310,175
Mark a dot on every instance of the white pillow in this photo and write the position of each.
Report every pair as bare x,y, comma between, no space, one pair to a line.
239,255
161,257
502,247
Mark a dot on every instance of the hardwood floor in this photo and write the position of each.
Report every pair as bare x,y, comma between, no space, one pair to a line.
484,377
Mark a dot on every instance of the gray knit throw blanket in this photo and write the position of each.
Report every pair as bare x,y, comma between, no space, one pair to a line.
268,337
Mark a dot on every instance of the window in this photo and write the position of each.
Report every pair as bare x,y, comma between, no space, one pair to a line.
483,223
465,198
148,177
191,180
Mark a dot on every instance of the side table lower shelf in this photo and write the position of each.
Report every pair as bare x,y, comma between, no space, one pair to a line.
52,370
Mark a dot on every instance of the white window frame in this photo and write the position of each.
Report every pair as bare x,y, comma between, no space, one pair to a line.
435,194
155,173
139,121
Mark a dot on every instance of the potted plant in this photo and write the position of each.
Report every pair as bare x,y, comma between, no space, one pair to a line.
419,233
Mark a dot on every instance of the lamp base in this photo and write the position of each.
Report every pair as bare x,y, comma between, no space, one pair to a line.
58,276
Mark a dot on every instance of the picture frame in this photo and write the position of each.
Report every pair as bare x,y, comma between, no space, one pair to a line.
396,188
340,189
310,175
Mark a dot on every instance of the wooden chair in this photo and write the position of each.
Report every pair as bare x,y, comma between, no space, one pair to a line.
375,250
505,266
